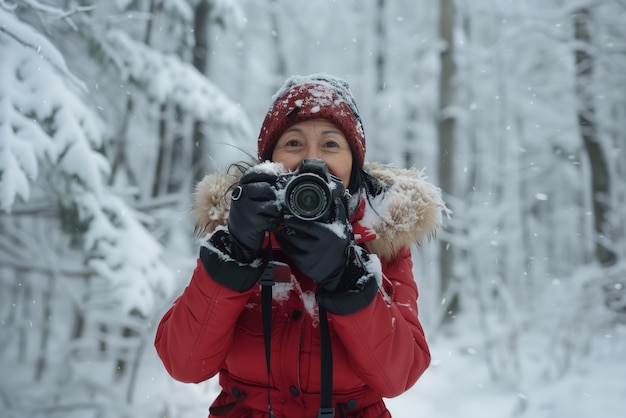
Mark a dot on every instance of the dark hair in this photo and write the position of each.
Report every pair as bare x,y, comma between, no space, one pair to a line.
362,182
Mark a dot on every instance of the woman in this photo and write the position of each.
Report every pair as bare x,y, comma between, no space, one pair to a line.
341,331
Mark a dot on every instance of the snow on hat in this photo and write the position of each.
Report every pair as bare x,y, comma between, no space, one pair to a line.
317,96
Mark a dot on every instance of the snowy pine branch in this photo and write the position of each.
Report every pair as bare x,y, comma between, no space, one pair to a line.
30,38
166,79
46,129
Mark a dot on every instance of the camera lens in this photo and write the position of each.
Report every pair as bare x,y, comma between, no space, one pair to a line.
307,200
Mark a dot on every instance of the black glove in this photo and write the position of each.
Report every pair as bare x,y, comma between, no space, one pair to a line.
216,256
359,286
317,248
254,209
228,255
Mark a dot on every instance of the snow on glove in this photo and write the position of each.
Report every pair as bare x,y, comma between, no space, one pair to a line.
360,283
253,211
216,256
318,249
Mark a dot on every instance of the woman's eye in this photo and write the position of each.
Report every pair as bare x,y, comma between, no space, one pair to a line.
331,144
292,143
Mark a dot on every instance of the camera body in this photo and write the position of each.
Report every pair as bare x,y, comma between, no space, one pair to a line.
308,193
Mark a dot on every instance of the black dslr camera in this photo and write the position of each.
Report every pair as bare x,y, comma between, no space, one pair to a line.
309,191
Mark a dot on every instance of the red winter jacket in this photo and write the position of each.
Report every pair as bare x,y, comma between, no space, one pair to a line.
379,351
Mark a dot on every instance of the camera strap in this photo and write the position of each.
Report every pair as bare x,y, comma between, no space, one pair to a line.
326,368
266,282
326,363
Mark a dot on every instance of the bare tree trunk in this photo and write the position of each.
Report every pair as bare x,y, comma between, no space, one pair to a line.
120,159
119,153
600,177
46,328
26,309
281,61
410,136
446,128
200,148
380,64
381,37
159,171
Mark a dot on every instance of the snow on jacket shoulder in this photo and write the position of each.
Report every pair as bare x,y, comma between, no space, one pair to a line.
379,351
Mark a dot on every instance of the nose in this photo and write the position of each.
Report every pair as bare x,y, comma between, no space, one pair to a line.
313,153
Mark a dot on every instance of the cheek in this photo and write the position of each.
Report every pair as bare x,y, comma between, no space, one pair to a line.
290,162
346,179
342,170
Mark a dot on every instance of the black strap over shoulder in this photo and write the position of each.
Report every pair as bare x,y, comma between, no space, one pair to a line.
266,282
326,368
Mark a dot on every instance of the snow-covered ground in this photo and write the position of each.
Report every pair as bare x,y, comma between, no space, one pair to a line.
457,385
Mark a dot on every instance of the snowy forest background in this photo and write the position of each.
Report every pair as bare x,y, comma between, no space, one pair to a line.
110,111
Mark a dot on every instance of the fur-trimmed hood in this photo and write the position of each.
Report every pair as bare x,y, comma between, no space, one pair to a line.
408,211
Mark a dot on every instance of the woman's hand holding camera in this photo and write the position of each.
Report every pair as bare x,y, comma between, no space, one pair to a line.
318,249
229,256
254,210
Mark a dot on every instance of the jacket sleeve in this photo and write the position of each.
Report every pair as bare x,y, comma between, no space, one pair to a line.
194,335
385,341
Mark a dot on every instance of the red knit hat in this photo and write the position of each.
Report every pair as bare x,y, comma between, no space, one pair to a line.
318,96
